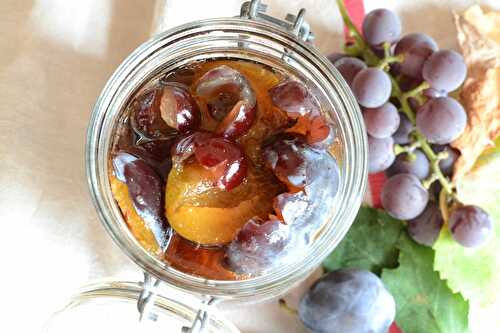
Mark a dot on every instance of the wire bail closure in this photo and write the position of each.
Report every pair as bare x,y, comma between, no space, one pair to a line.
202,316
296,24
147,299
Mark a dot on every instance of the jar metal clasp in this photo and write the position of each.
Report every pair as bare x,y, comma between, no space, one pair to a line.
296,24
147,298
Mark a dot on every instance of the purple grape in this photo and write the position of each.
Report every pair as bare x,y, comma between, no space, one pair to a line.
434,93
404,197
402,134
145,117
380,154
335,56
155,153
381,122
413,103
435,189
372,87
146,190
347,301
225,159
407,83
445,70
425,228
418,166
294,98
415,40
119,161
349,67
257,246
380,26
441,120
222,88
446,165
321,169
286,158
414,60
178,108
470,226
183,75
298,164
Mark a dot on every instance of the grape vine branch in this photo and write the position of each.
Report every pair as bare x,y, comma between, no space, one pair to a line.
360,48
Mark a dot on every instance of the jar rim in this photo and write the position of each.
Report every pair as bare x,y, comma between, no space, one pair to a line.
98,142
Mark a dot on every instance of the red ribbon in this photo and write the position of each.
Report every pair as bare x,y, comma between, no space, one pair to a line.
356,10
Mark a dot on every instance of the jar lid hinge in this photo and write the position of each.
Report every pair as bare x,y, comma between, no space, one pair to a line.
296,24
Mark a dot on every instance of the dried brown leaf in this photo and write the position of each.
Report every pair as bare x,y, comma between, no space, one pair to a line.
479,39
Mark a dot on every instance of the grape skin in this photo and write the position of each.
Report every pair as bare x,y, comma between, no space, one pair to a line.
335,56
372,87
179,109
415,40
435,189
407,83
434,93
381,25
441,120
257,246
425,228
146,190
404,197
294,98
402,134
349,67
470,226
419,166
446,165
414,60
120,160
381,122
225,159
238,121
445,70
222,88
380,154
347,301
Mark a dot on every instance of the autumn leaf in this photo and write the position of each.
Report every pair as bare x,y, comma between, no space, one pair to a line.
479,39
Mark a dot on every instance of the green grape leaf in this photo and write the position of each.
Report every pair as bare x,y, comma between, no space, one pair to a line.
424,303
475,273
369,243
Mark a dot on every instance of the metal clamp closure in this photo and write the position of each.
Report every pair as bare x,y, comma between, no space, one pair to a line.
296,24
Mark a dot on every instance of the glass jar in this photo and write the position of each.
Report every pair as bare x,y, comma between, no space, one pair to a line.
249,37
108,306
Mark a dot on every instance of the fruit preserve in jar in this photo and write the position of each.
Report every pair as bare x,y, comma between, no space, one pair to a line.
227,157
225,168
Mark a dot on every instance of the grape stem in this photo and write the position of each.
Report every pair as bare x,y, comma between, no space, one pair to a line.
287,307
429,181
398,149
417,91
384,63
361,49
443,205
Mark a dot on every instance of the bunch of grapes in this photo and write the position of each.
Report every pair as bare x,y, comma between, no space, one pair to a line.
403,86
